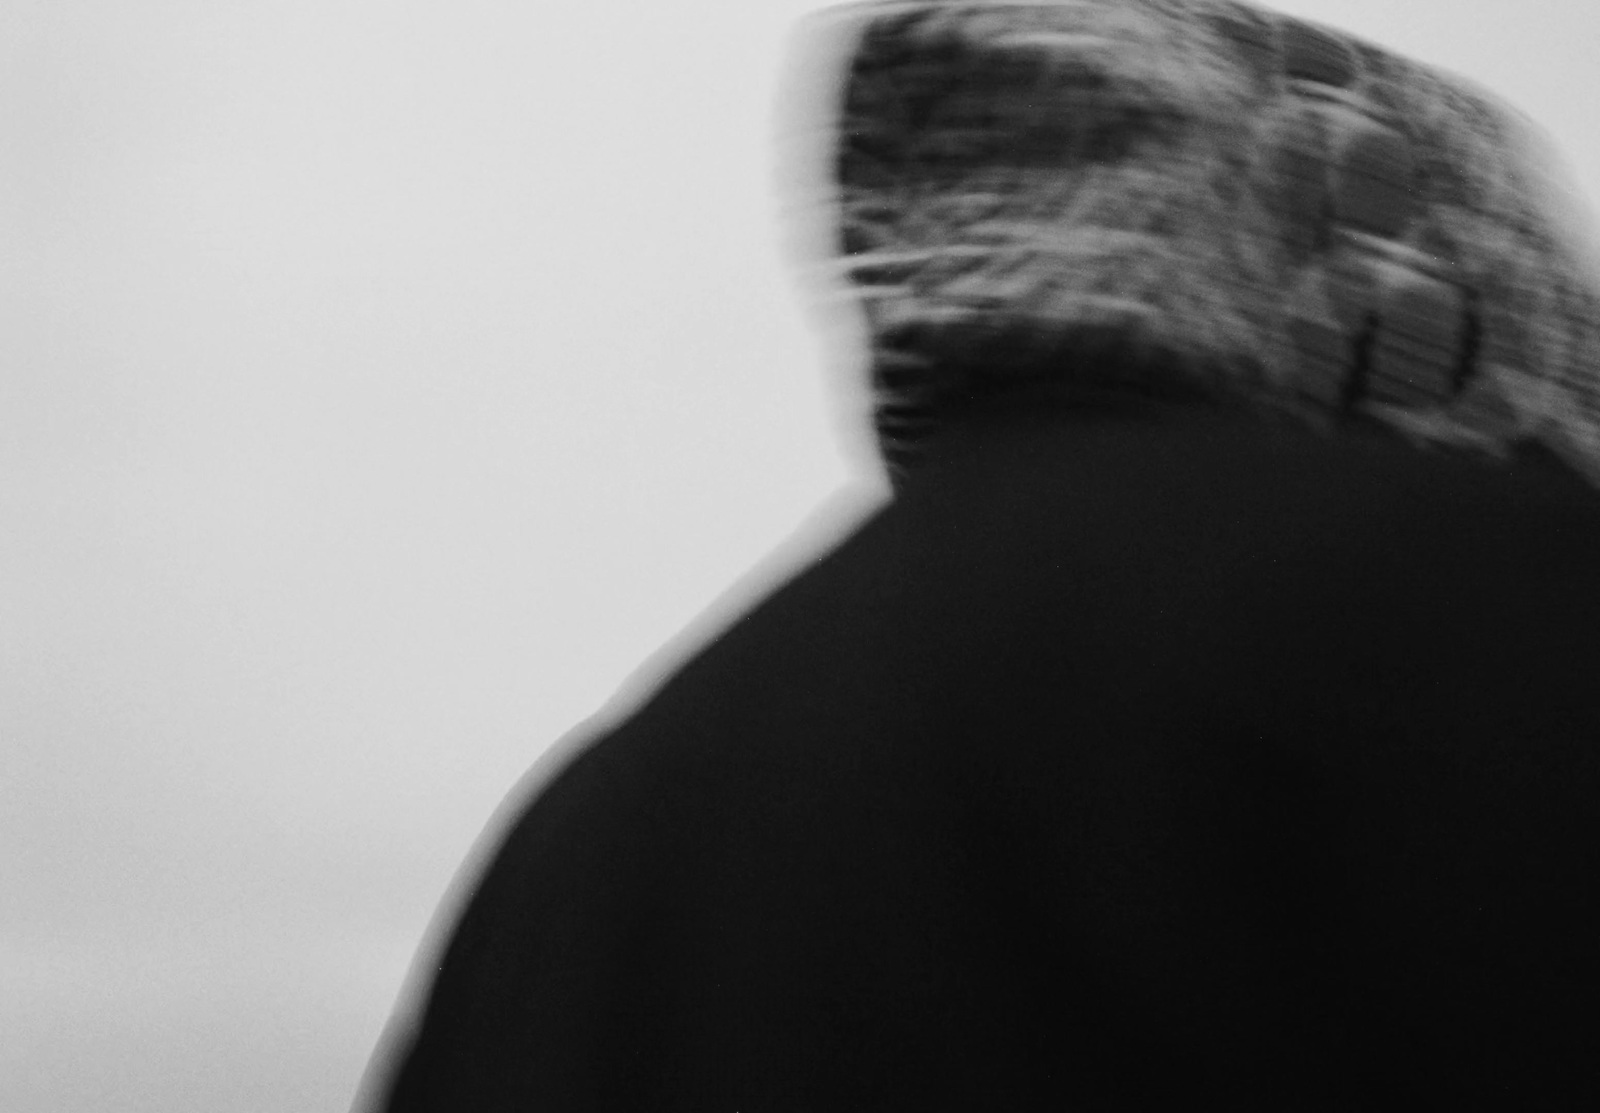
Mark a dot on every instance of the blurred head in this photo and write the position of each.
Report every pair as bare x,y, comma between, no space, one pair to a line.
1199,199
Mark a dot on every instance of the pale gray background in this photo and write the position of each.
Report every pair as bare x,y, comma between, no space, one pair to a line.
380,384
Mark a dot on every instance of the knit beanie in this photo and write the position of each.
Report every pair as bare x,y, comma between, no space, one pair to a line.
1203,197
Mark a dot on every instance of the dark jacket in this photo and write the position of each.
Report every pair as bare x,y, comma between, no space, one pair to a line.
1127,760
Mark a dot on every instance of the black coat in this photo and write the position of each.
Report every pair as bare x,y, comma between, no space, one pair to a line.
1125,761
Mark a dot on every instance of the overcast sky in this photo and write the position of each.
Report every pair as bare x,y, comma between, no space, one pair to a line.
381,385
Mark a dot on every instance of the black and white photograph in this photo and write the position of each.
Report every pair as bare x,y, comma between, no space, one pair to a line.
783,556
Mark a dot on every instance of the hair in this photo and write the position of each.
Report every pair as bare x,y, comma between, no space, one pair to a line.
1197,197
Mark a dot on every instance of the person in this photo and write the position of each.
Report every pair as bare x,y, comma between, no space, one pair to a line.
1209,718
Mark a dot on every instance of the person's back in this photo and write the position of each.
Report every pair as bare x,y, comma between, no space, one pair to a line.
1147,749
1182,758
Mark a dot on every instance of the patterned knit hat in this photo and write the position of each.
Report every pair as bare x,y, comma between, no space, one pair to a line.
1262,208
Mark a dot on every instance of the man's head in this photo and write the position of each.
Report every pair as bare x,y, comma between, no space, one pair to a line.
1198,196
